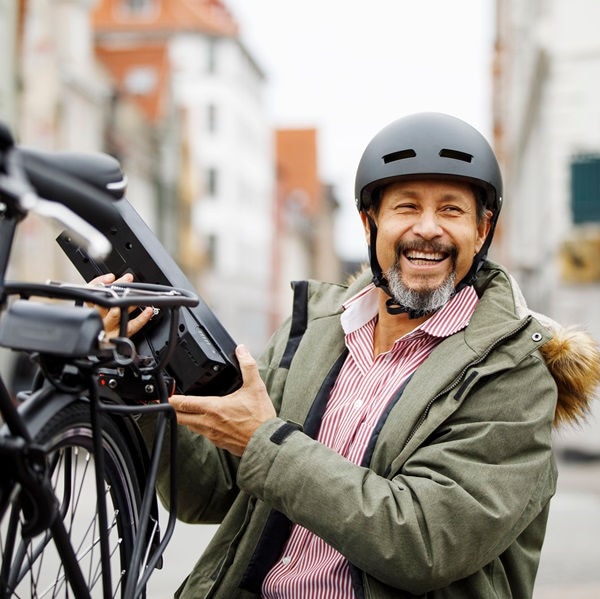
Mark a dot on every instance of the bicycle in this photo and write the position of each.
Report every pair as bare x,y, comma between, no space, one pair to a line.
74,436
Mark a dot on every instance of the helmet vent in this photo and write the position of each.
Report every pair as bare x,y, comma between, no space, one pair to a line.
456,155
400,155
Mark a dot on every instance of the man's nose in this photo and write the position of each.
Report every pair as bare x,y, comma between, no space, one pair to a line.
427,225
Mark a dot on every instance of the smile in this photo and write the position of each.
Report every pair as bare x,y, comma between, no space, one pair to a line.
423,258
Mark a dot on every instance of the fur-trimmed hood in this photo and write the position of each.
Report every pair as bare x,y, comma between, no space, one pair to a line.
573,358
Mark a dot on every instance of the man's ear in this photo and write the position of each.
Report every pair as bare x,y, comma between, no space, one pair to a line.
364,217
483,228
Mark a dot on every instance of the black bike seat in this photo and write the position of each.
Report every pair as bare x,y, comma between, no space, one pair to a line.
99,170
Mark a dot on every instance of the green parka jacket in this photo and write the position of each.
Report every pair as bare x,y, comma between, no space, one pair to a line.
453,496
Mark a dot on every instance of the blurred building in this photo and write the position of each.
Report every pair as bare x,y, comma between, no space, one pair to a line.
169,88
57,97
226,175
9,26
303,245
547,132
52,92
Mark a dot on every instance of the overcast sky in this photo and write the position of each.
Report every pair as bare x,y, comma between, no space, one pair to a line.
349,67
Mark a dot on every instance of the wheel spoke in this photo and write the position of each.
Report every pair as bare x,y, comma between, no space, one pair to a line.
32,567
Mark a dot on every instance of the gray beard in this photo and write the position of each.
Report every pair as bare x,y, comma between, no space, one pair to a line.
424,302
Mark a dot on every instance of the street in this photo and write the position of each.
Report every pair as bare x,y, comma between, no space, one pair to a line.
570,564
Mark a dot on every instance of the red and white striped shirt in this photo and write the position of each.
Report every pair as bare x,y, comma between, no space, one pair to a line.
309,568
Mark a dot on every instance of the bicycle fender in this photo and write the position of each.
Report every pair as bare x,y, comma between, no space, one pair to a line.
37,407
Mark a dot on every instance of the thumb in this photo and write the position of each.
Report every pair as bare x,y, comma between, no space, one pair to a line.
247,364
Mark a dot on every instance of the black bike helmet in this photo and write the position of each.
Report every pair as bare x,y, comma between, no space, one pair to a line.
428,144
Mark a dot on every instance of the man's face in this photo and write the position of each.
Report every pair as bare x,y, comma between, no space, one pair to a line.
427,234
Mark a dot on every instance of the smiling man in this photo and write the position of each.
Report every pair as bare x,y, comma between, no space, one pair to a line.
438,230
428,232
395,439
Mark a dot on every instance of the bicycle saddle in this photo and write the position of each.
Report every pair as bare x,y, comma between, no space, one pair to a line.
101,171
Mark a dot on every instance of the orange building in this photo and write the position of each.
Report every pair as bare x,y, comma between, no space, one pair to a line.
132,42
304,216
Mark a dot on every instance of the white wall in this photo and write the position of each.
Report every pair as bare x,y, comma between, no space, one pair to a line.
240,149
547,100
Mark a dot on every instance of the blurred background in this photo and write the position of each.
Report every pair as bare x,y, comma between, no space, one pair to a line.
239,125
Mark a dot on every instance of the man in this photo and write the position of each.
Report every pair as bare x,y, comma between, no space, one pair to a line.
396,439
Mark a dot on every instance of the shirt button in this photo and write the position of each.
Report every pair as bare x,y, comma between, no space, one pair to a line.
358,404
286,560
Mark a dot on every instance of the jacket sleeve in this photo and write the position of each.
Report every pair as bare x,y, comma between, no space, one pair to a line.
458,501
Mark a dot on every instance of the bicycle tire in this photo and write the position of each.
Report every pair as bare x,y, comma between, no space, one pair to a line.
35,569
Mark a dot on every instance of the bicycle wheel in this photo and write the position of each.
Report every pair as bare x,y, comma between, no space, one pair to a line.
34,568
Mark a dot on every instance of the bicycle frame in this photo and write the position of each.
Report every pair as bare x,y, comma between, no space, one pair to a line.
29,471
27,468
32,475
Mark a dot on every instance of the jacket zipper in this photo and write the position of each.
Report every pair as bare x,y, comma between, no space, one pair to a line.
523,324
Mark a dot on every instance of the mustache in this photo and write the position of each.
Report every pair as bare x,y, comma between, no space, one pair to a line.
402,247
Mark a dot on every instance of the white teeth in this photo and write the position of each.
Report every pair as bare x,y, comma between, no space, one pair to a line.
424,256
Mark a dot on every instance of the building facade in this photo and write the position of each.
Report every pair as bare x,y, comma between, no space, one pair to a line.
304,216
170,90
223,232
9,23
547,132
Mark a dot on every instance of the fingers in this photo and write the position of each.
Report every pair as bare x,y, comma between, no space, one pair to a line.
112,317
247,364
112,321
136,323
221,420
109,278
193,412
244,356
229,421
99,281
189,404
105,279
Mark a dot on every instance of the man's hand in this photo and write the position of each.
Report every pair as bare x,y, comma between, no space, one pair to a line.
228,421
111,317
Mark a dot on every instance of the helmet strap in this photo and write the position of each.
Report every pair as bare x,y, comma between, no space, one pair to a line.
379,279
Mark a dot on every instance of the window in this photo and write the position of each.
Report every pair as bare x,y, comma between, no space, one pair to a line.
211,182
211,250
585,189
141,80
211,118
211,56
138,7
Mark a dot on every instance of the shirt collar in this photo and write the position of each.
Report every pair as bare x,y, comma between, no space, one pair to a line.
451,318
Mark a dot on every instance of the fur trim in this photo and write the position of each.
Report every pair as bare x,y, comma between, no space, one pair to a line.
573,358
352,278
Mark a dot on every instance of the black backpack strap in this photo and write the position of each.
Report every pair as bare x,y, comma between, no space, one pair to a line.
299,322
